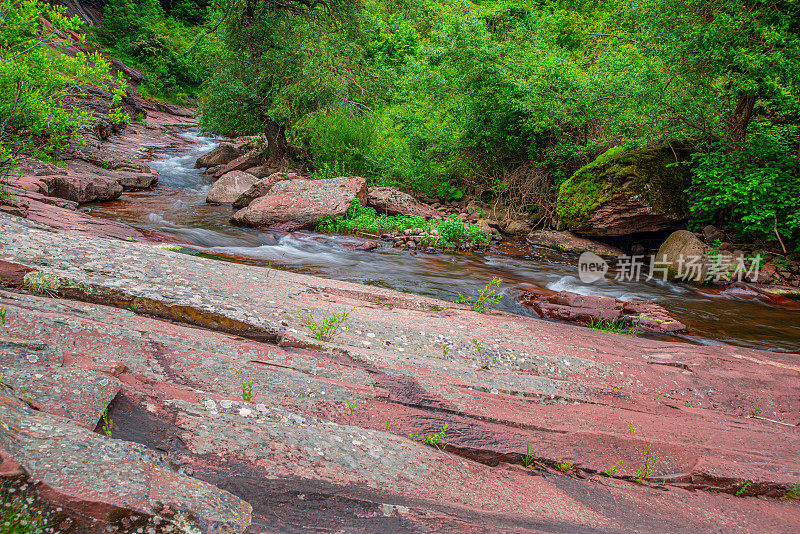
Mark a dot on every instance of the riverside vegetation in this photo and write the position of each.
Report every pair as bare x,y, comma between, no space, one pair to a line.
501,100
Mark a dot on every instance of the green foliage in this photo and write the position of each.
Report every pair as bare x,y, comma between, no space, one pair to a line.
434,440
3,312
247,390
35,79
612,471
275,66
190,12
486,300
648,459
342,139
330,327
648,465
564,466
752,189
449,233
108,424
141,34
615,327
18,517
452,98
41,282
528,459
794,493
740,491
485,358
116,113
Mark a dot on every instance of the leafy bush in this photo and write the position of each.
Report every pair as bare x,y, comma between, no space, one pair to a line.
486,299
446,234
339,138
35,79
751,189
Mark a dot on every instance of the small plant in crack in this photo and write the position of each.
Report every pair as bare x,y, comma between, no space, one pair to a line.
18,515
486,299
648,466
615,327
3,315
648,459
330,327
612,471
794,493
755,413
744,487
269,269
41,282
108,423
485,359
388,427
445,352
528,459
434,440
564,466
351,408
247,390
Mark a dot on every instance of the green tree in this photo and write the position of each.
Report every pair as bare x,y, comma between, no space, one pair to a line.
722,59
281,61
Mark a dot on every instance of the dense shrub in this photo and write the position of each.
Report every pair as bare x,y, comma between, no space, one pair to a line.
35,79
452,232
753,188
142,34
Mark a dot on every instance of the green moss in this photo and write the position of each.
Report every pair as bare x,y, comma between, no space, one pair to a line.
647,173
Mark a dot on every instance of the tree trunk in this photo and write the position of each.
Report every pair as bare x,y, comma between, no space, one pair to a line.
276,136
740,118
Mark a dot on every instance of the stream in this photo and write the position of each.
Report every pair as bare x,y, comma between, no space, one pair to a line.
177,206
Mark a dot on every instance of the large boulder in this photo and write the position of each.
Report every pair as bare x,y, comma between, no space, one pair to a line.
587,310
228,188
392,201
262,171
294,204
516,227
222,155
136,180
81,188
683,256
246,161
625,192
262,186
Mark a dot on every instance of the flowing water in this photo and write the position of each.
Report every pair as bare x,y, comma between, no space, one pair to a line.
177,206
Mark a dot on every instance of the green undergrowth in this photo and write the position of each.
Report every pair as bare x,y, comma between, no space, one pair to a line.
615,327
17,516
447,234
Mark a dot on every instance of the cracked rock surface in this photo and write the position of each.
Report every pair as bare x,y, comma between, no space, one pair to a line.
164,342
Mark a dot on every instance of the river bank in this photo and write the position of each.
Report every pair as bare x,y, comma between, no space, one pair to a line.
177,206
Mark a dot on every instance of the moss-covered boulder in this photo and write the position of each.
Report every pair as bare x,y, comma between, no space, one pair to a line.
625,192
